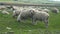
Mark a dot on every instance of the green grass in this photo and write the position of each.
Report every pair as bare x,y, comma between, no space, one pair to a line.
26,27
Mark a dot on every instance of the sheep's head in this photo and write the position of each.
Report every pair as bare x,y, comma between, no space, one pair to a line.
32,11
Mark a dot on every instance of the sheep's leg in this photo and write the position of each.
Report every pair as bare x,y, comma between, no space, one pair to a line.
19,18
46,23
33,21
14,15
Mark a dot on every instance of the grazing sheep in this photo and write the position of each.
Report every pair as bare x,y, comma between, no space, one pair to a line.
24,15
55,10
16,10
2,7
42,16
9,8
5,12
39,9
16,13
16,7
45,10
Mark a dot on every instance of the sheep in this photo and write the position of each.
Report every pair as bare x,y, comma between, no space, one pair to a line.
42,16
24,15
55,10
5,12
16,7
2,7
45,10
16,10
39,9
9,8
16,13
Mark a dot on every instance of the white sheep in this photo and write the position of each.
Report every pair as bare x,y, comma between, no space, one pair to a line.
55,10
25,14
5,12
2,7
16,7
16,10
45,10
42,16
16,13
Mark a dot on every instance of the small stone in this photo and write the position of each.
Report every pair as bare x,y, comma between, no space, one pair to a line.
29,30
8,28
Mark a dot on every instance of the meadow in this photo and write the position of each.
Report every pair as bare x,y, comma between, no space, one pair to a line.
27,27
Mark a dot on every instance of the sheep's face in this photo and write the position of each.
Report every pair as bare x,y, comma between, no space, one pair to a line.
32,12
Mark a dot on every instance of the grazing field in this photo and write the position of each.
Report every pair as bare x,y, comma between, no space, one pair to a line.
27,28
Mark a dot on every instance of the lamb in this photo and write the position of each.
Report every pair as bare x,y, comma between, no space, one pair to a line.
16,10
24,15
45,10
2,7
42,16
5,12
55,10
16,13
